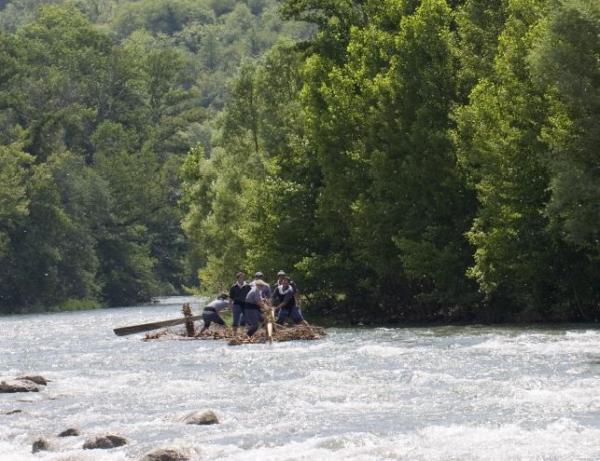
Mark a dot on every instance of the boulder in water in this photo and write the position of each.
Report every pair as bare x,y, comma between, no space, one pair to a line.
201,418
168,454
17,386
37,379
104,441
70,432
40,444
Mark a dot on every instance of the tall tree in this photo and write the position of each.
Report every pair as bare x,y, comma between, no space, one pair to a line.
565,61
500,147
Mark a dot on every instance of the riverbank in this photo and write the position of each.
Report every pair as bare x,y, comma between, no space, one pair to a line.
67,306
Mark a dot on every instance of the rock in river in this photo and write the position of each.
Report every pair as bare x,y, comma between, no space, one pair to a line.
70,432
12,412
104,441
34,379
168,454
202,418
40,444
17,386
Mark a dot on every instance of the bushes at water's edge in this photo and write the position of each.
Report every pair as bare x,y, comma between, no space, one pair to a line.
67,306
415,162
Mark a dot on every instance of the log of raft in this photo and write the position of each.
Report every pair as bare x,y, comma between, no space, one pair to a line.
153,325
280,334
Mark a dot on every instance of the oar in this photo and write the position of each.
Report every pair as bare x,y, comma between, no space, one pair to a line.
270,318
270,330
152,326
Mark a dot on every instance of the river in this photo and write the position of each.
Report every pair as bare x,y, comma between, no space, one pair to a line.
440,393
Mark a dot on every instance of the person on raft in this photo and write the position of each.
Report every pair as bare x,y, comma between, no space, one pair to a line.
284,300
211,312
280,275
237,298
256,298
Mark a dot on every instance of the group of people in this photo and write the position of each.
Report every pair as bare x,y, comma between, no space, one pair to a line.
247,300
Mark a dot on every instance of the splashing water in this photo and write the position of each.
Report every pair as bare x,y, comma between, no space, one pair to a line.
460,393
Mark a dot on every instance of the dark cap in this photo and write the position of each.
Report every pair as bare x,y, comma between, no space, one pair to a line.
258,275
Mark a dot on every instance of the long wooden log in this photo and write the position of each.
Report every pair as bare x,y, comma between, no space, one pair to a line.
152,326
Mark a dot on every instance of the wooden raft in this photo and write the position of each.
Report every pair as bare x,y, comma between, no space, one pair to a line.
217,332
280,334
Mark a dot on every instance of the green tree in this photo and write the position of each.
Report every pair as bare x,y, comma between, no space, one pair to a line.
564,61
479,24
500,148
160,17
14,202
50,255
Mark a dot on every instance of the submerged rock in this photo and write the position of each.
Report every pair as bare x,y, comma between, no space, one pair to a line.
168,454
201,418
70,432
18,386
40,444
12,412
37,379
104,442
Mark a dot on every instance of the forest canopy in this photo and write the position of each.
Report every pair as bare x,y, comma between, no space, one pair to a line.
403,160
100,102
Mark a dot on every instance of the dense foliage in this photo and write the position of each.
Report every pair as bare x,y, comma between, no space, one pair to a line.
415,160
100,101
404,160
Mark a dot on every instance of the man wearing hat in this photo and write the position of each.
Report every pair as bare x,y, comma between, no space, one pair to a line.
284,299
280,275
255,299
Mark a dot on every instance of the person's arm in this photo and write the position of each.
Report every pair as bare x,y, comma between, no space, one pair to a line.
296,293
288,295
231,296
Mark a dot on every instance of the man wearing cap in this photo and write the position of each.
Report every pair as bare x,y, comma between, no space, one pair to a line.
280,276
237,298
255,299
284,299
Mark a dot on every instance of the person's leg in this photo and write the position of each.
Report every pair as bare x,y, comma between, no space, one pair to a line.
296,315
252,320
236,310
219,320
207,317
284,313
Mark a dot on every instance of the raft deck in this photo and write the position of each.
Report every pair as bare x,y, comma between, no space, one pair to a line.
280,334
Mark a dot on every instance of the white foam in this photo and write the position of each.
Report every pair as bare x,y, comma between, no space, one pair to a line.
370,394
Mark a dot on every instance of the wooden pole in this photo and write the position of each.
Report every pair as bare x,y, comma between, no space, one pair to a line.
123,331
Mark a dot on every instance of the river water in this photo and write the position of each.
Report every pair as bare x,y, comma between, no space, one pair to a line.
443,393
